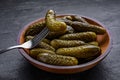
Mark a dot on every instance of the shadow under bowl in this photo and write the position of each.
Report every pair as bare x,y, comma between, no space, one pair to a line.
104,41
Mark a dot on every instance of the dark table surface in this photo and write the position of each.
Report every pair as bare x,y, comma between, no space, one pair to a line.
14,14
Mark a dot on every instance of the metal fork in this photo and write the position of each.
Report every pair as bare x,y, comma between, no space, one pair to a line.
31,43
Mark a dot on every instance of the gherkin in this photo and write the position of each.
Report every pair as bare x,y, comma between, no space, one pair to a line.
57,43
34,52
84,51
35,28
53,35
84,36
83,27
57,59
46,46
94,43
76,18
53,24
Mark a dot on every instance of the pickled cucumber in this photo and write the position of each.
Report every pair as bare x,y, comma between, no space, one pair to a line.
53,24
76,18
36,51
57,43
57,59
46,46
84,51
94,43
84,36
35,28
83,27
46,41
53,35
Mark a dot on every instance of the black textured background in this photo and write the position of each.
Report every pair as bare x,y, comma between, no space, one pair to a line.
14,14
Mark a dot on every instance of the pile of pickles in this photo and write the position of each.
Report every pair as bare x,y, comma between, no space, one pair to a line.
71,40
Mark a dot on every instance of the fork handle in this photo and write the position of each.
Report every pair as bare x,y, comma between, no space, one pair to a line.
9,48
4,50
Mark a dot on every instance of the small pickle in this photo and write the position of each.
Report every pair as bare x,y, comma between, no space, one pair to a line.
46,41
76,18
53,35
84,36
35,28
83,27
94,43
36,51
84,51
91,58
57,59
57,43
52,24
46,46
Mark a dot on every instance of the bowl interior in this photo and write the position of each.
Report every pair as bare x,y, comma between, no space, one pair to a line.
104,41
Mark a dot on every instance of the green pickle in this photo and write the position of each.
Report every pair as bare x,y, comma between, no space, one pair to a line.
46,46
76,18
84,51
94,43
83,27
84,36
53,35
53,24
34,52
35,28
57,59
46,41
57,43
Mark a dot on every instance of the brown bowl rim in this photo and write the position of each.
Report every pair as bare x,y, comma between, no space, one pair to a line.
99,58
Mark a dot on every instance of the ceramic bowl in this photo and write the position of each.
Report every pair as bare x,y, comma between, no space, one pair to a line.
104,40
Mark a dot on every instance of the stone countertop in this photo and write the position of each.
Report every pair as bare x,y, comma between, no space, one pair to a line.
14,14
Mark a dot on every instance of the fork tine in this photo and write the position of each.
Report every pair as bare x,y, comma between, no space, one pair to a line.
39,37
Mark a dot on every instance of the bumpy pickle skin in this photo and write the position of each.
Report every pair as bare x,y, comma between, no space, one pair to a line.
46,41
94,43
46,46
35,28
84,51
52,24
34,52
83,27
57,59
84,36
76,18
53,35
57,43
27,38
